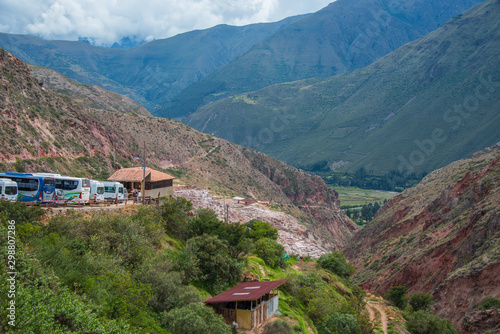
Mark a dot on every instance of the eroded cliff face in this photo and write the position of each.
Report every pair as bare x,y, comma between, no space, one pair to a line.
311,195
441,236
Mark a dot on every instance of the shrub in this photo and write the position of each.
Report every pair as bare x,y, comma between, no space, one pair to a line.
423,322
339,323
337,264
488,303
397,296
421,301
278,327
194,319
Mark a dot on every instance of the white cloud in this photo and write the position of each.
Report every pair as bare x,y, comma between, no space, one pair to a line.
108,21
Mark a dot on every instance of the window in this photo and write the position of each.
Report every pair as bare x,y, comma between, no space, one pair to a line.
0,189
9,190
85,183
49,182
110,189
120,190
26,184
100,190
67,184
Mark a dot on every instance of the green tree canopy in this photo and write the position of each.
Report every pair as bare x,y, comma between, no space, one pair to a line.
336,263
258,229
194,319
271,252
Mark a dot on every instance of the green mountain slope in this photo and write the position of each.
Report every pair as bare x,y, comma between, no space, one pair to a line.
344,36
150,73
431,102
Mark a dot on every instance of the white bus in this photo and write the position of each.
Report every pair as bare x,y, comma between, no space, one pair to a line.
74,190
8,190
114,191
96,192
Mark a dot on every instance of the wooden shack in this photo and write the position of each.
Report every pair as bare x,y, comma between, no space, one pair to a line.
248,304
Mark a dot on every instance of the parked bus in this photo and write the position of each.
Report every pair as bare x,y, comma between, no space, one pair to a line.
32,188
8,190
72,190
114,191
96,191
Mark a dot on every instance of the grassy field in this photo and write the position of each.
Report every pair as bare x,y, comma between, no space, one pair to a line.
358,196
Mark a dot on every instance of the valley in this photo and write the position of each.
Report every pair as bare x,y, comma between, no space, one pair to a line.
352,155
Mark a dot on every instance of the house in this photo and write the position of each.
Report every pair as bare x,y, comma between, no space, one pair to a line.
157,184
248,304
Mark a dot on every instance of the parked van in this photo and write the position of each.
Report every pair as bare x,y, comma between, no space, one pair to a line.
96,191
114,191
8,190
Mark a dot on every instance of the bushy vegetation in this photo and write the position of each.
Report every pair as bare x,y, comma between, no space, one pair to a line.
148,269
329,310
488,303
418,319
278,327
397,296
337,264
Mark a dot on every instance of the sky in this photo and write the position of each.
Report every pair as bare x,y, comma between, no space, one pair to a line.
108,21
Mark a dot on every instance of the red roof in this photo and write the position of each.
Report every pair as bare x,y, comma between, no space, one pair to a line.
245,291
135,174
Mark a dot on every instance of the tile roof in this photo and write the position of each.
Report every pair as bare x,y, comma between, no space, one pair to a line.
135,174
245,291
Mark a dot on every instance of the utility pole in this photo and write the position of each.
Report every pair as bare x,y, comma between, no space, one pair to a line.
143,186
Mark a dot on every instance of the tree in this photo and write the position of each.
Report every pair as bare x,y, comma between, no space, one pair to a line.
205,222
420,301
271,252
397,296
258,229
194,319
216,267
337,264
174,213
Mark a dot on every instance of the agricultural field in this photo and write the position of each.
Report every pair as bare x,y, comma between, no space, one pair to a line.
353,196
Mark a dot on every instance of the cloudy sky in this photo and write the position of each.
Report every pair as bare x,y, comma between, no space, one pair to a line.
110,20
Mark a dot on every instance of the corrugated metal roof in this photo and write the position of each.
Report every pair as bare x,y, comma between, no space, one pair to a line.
245,291
135,174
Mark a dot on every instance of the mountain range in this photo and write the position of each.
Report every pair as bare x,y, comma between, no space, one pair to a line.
432,101
344,36
150,73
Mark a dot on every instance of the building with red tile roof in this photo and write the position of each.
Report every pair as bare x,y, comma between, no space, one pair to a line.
157,184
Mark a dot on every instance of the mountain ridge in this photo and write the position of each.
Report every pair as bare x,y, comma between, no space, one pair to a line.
377,117
344,36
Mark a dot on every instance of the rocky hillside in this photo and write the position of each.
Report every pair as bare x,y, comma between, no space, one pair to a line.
86,95
442,237
94,142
